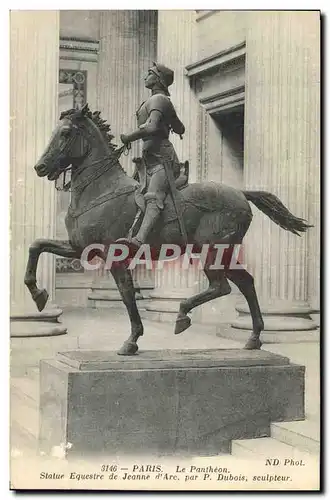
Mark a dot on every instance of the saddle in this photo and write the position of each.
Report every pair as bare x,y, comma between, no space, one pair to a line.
180,182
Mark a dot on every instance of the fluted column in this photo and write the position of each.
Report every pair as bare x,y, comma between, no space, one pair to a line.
176,48
34,59
127,49
281,156
314,181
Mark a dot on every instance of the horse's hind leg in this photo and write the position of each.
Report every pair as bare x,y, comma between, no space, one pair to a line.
245,282
124,281
218,287
57,247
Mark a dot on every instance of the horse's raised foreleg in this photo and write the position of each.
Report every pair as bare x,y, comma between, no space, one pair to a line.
57,247
245,282
218,287
124,281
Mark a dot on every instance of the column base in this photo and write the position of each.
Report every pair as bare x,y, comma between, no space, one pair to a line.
316,317
110,298
104,297
216,312
284,322
72,289
104,292
37,324
163,305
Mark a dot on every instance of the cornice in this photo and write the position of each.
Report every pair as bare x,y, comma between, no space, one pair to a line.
222,101
215,61
79,49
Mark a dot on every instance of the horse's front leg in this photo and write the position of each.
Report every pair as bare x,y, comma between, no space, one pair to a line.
57,247
124,281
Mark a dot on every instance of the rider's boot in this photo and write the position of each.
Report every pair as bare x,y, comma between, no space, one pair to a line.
149,220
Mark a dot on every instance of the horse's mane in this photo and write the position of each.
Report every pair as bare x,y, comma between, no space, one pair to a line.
103,126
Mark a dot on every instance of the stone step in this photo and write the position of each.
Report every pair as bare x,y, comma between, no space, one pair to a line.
265,447
304,435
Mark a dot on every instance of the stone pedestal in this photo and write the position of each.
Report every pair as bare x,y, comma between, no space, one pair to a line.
34,59
282,92
165,402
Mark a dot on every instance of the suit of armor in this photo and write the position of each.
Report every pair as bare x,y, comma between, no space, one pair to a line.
156,118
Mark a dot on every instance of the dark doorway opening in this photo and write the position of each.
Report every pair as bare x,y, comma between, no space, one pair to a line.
231,124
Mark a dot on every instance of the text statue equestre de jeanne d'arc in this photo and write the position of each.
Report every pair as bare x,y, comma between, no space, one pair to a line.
158,207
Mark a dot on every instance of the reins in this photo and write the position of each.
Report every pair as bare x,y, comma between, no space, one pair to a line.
106,162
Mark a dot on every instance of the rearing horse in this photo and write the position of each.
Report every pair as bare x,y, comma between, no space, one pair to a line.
103,209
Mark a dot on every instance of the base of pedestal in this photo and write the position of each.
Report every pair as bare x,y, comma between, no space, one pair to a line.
284,322
268,337
36,324
164,306
316,317
102,297
165,402
111,299
40,329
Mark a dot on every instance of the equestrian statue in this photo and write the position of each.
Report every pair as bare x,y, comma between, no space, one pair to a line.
159,166
108,206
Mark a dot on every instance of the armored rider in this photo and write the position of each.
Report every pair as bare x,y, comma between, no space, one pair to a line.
156,118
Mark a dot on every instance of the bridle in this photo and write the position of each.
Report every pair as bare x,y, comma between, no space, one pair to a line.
106,163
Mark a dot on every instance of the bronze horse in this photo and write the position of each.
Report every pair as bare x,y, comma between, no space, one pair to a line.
103,209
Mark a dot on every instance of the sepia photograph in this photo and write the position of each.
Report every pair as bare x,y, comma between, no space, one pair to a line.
165,250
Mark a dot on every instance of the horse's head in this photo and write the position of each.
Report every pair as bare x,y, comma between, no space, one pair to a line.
78,135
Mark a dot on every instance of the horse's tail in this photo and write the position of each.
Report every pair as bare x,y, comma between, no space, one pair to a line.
270,205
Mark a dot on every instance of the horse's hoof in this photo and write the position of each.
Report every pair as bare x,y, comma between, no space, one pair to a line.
41,299
128,349
182,324
253,344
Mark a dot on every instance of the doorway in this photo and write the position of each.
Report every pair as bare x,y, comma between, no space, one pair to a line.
230,123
